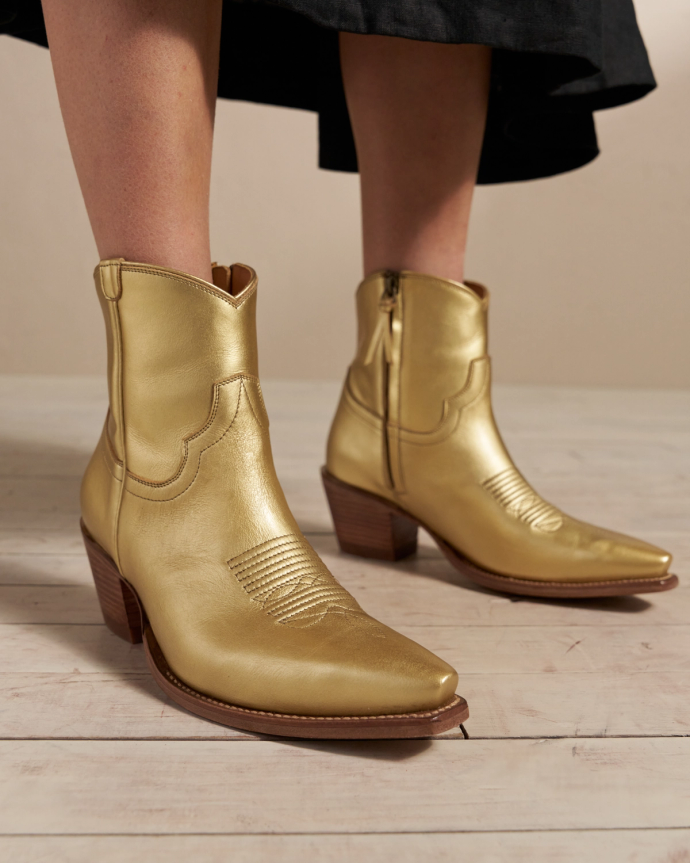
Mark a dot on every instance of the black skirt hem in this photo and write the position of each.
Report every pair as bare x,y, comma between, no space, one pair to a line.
555,62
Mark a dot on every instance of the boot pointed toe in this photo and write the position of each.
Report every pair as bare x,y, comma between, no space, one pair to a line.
633,558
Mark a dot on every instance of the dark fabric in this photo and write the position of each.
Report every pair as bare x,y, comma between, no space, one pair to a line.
555,62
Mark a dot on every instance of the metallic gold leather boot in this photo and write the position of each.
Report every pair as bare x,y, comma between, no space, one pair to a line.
193,547
414,442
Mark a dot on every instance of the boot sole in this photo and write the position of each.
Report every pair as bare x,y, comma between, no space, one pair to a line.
124,614
371,526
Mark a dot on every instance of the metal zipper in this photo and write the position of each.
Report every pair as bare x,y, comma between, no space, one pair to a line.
387,304
382,336
384,326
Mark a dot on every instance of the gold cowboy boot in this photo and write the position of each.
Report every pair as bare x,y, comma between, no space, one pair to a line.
414,442
193,547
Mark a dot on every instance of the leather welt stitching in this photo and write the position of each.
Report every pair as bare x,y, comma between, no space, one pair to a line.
231,301
188,440
198,695
535,581
198,466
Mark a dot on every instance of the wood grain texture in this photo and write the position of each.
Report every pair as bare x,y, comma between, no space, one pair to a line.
564,846
365,787
49,604
365,526
29,541
45,569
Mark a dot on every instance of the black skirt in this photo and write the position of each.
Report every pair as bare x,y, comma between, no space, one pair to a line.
554,63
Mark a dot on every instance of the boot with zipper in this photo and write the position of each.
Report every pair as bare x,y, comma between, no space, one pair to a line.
414,443
192,545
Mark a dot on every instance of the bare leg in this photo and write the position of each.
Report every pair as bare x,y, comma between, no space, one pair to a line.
418,111
137,82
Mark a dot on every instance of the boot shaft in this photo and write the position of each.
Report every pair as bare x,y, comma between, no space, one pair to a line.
418,336
182,363
170,338
421,359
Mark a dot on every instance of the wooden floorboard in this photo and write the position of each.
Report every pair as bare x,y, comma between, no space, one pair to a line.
566,846
580,732
264,786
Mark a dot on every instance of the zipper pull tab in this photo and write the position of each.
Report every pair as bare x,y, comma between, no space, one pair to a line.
383,329
389,297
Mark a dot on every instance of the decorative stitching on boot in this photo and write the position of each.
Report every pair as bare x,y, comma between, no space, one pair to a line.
155,486
188,440
517,497
235,302
287,579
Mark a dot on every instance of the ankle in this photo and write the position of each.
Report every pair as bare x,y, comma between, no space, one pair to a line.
191,263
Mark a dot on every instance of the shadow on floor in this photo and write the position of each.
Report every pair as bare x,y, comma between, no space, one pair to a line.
25,458
371,750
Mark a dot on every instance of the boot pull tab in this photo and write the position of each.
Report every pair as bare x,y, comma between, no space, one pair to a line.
383,328
110,278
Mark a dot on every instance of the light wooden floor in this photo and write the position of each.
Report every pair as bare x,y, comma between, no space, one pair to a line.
580,711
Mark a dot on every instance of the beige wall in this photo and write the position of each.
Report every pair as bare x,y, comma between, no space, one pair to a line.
590,272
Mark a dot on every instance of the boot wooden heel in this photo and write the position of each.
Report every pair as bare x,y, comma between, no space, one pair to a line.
118,603
367,526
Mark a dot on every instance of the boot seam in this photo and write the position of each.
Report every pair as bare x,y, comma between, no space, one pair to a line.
196,472
231,301
422,714
186,441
